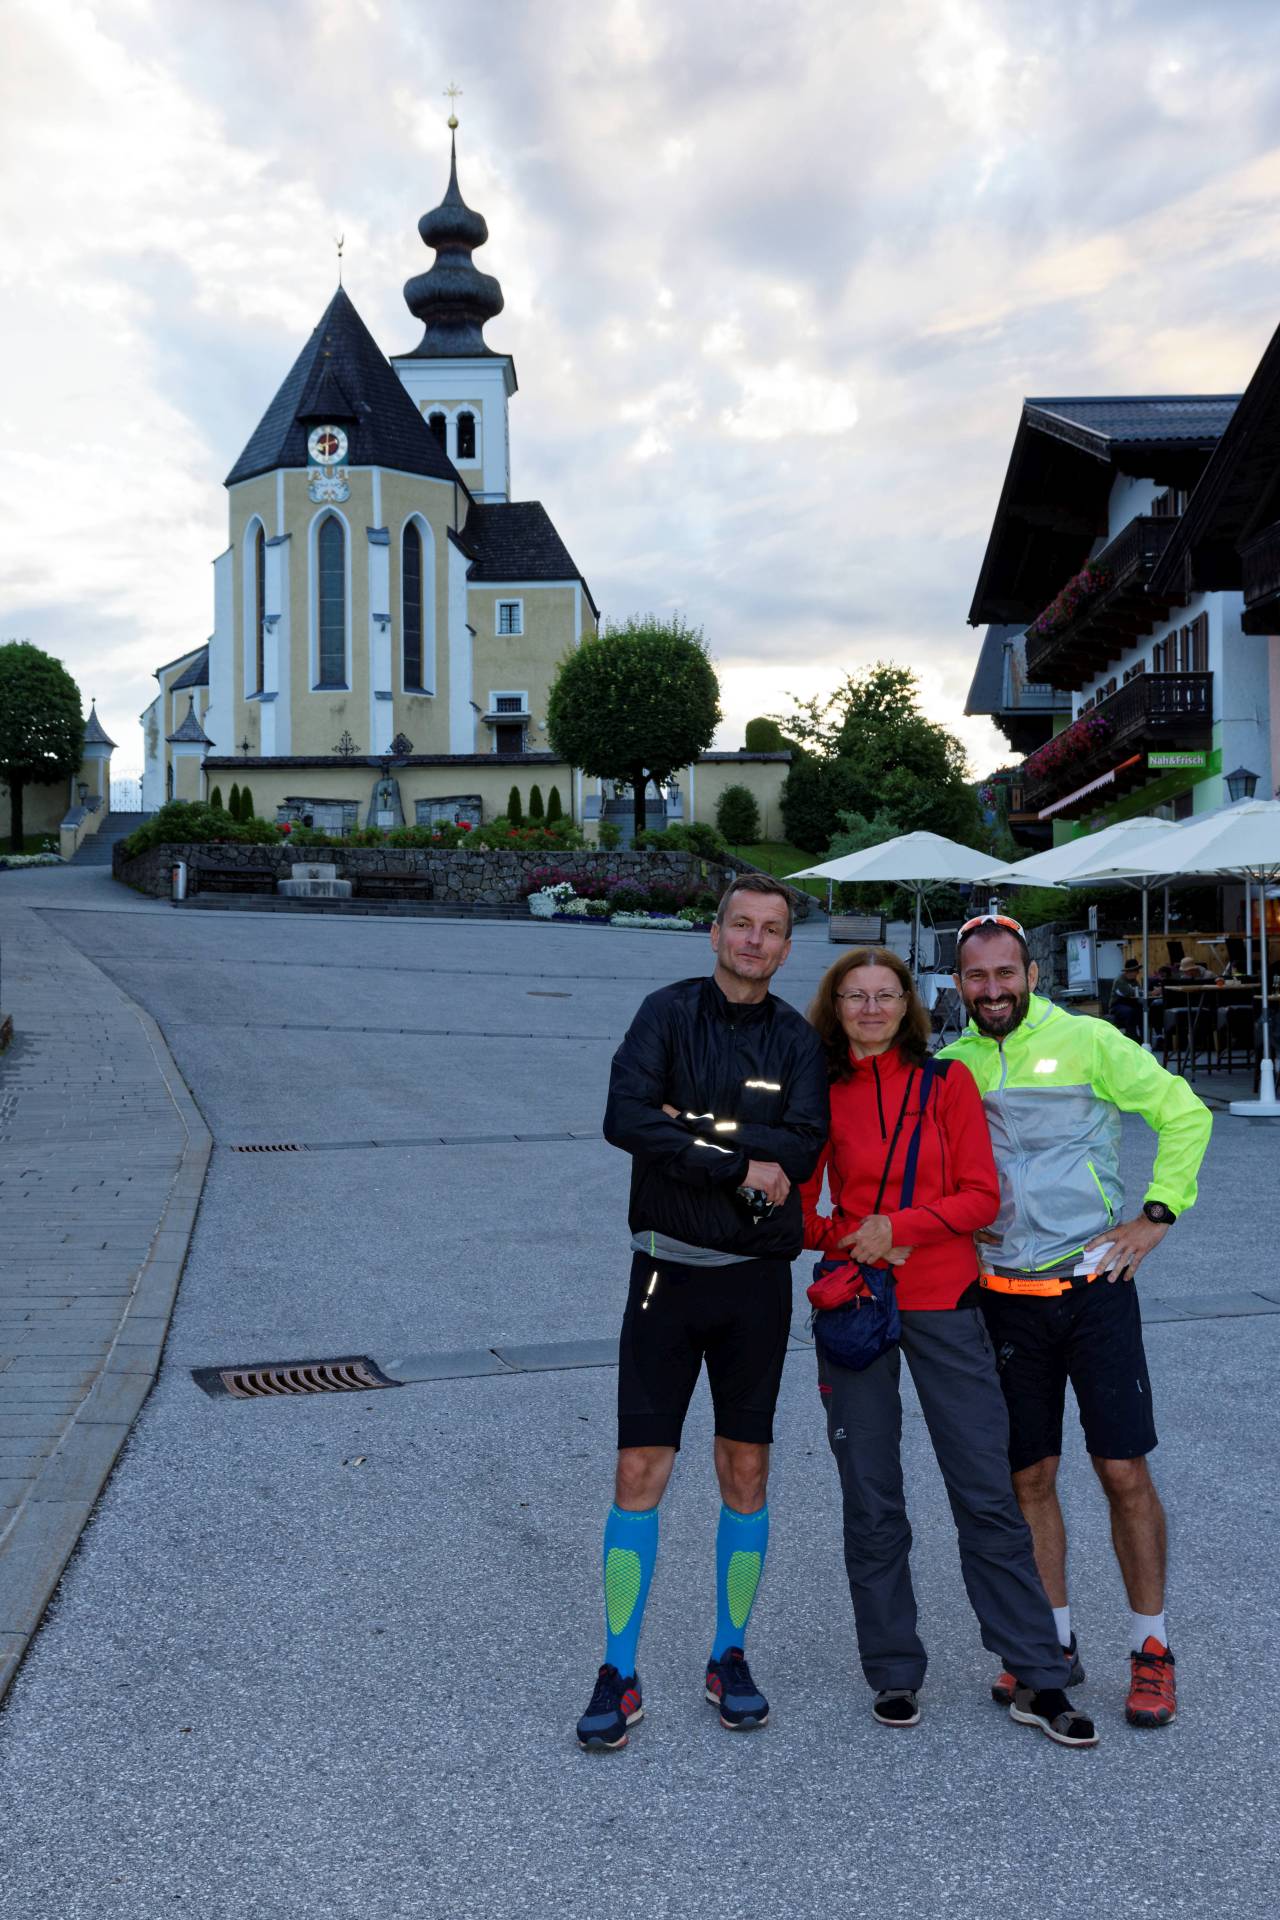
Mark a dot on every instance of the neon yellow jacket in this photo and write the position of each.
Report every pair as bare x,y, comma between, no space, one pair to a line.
1053,1091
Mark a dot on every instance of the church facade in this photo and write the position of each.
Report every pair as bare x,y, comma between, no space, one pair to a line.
388,622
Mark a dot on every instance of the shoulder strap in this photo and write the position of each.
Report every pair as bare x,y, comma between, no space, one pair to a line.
888,1159
928,1074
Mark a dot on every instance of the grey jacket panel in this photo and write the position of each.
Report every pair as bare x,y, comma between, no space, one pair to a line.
1057,1151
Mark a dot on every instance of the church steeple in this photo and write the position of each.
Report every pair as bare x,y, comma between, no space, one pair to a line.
453,299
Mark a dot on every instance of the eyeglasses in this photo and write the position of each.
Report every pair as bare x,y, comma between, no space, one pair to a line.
990,920
881,1001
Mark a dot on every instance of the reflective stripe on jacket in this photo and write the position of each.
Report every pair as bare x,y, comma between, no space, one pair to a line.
1053,1091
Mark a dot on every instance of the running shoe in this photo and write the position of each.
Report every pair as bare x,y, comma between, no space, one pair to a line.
731,1688
1153,1697
1006,1686
896,1707
1053,1713
614,1706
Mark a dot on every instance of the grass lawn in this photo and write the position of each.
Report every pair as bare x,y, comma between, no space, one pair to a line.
781,858
39,843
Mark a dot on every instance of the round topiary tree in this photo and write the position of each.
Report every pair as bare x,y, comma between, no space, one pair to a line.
738,816
41,726
764,735
635,703
515,812
535,803
555,806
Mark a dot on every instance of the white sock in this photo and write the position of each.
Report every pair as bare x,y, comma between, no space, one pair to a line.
1143,1625
1062,1621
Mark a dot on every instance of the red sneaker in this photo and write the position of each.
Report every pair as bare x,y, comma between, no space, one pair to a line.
1006,1686
1153,1697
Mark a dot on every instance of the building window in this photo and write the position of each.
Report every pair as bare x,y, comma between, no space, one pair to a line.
466,436
1197,641
509,703
260,609
510,616
439,428
411,605
1184,805
1169,504
331,602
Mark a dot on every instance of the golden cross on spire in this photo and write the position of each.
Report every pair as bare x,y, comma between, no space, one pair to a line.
452,94
339,243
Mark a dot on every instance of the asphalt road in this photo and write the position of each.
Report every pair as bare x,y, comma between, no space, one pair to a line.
278,1681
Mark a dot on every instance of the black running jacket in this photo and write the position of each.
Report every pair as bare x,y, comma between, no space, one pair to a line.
753,1082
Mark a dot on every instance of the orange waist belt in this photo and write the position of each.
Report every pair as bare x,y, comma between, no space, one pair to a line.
1051,1285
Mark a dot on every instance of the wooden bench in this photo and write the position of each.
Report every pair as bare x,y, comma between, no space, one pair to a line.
856,929
392,886
233,879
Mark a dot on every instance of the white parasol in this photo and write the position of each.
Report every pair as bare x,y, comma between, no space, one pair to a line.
917,861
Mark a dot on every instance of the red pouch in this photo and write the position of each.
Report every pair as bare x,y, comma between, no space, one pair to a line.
836,1282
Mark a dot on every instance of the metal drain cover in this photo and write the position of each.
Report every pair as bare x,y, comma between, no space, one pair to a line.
274,1379
271,1146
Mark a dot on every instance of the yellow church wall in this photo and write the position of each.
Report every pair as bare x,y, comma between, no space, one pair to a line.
423,718
272,786
762,778
524,662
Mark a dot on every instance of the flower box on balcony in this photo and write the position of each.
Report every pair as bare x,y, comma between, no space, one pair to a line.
1075,742
1062,610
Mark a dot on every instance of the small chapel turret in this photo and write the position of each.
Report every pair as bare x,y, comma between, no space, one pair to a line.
459,384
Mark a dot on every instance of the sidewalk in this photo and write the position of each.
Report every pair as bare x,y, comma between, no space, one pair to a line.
102,1160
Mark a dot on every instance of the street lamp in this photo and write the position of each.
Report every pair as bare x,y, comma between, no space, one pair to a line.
1242,783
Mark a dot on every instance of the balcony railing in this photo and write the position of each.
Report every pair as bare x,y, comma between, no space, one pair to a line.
1163,709
1075,646
1260,564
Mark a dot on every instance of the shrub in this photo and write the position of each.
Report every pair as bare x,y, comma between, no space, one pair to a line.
233,801
609,835
629,899
514,812
555,806
195,820
246,804
698,836
738,816
765,736
215,799
535,803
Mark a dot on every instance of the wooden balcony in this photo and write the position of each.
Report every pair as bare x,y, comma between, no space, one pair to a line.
1260,568
1111,620
1171,711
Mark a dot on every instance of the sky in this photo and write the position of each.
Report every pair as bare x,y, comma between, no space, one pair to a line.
777,280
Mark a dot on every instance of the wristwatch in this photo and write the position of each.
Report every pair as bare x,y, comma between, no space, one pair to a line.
1157,1212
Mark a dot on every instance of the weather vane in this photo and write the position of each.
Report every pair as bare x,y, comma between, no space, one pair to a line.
452,94
339,243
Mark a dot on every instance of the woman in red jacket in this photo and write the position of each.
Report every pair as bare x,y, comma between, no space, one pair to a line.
875,1032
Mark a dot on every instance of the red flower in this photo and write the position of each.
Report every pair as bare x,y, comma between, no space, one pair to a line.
286,826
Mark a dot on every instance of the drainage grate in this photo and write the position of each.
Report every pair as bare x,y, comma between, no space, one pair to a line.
283,1378
273,1146
544,993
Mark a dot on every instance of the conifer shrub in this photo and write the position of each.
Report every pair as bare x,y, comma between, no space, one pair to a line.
555,806
515,812
535,804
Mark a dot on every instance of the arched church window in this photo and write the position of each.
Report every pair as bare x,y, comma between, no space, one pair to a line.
260,608
411,607
331,601
439,428
466,436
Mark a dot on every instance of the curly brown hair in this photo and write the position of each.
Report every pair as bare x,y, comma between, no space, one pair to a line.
912,1038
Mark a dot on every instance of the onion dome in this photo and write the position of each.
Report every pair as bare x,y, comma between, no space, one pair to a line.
453,299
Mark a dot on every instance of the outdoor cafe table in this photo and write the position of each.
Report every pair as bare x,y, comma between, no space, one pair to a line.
1177,998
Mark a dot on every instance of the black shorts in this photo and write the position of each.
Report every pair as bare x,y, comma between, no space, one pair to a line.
736,1318
1092,1337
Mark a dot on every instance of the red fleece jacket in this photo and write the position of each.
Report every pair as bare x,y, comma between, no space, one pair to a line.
957,1190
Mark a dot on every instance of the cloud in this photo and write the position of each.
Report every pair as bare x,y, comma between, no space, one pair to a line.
776,283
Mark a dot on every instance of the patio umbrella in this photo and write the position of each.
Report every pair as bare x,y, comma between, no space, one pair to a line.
1237,843
917,861
1092,857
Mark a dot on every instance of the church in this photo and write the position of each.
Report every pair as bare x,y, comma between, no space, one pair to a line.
388,621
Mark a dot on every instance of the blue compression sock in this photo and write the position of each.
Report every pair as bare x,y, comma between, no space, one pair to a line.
742,1540
630,1549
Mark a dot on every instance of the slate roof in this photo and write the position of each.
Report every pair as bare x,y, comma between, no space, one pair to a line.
986,693
196,675
1139,420
190,730
343,367
516,540
95,734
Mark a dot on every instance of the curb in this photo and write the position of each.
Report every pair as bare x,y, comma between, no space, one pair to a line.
46,1528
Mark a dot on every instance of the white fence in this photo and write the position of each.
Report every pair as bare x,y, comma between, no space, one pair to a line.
126,793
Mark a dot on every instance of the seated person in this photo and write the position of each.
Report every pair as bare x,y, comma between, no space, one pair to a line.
1191,973
1125,1008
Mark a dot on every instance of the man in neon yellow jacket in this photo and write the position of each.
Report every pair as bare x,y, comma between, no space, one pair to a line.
1057,1286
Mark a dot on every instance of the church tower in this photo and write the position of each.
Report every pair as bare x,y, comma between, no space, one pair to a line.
458,383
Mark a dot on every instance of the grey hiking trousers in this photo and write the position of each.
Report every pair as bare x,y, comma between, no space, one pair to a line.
953,1367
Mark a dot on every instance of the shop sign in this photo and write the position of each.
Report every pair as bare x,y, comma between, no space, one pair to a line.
1176,759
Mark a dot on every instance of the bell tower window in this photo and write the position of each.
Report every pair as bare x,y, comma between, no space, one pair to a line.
331,602
260,609
466,436
439,428
411,610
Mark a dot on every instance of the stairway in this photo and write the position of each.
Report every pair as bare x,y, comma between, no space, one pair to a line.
96,850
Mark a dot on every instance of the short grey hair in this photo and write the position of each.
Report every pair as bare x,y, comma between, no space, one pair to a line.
756,883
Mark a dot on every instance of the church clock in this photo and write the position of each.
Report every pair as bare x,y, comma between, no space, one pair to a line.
326,448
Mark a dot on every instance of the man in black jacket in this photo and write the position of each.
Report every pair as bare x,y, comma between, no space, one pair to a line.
719,1094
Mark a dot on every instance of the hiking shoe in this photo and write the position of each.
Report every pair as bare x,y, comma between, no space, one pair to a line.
1153,1698
1053,1713
614,1706
896,1707
731,1688
1006,1686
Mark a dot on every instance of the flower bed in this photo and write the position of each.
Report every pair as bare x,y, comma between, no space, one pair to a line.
31,860
619,903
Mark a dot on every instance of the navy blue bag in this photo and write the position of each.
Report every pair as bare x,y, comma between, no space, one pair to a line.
858,1332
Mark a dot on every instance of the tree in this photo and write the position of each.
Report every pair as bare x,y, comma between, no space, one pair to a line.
535,803
246,803
635,703
738,816
215,798
233,800
515,812
764,735
868,747
555,805
41,726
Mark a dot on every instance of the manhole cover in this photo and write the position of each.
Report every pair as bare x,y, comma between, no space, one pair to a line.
290,1377
271,1146
545,993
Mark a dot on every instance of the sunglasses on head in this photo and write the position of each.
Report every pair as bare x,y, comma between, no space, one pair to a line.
990,920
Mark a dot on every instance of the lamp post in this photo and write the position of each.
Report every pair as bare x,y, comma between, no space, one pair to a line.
1241,785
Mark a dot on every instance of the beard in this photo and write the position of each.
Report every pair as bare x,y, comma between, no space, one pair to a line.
998,1021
